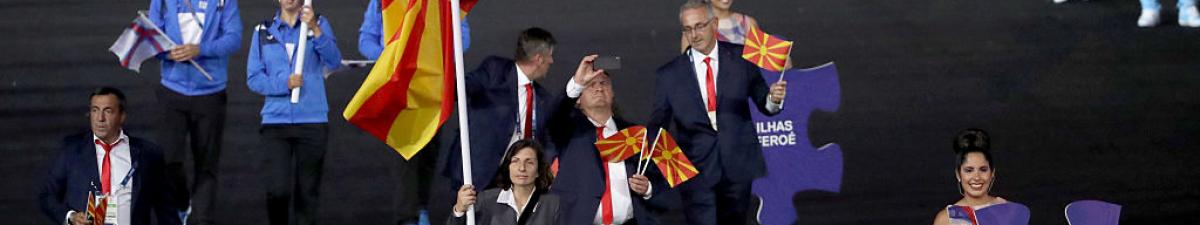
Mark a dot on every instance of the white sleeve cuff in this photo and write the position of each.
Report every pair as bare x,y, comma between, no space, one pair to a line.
67,221
458,214
574,89
773,107
649,191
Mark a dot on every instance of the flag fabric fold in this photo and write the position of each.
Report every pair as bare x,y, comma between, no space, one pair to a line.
671,161
140,41
622,145
409,92
766,51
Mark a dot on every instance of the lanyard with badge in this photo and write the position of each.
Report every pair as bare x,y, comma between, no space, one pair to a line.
203,6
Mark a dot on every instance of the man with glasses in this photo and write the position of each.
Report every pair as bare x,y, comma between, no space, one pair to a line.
710,116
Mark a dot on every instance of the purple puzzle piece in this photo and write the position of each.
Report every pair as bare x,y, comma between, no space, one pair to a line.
793,163
1010,213
1092,212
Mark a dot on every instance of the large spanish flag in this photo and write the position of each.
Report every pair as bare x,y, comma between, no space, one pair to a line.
410,90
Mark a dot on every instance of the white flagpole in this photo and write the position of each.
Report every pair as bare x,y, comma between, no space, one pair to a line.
142,16
461,92
300,50
652,146
642,153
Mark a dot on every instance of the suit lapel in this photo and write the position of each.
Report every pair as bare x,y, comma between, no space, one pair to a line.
723,73
509,83
690,78
87,151
135,156
540,108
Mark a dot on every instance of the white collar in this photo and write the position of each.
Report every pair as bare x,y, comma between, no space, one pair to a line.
119,138
508,197
698,57
609,124
522,78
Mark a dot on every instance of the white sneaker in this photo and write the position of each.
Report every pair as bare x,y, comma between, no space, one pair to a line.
1149,18
1188,17
1059,1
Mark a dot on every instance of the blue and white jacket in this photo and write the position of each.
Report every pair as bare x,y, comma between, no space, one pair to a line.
221,37
269,67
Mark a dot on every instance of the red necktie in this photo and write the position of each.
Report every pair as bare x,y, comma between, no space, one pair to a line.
606,205
105,169
710,85
528,129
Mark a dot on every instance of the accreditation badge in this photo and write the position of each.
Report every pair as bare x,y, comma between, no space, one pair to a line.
110,212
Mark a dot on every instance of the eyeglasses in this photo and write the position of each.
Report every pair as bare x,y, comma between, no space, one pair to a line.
699,26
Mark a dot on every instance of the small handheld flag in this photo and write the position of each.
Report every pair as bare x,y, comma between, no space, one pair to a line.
96,208
622,145
961,215
671,161
141,41
766,51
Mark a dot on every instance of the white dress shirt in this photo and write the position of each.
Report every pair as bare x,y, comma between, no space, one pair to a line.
120,163
622,201
701,69
522,80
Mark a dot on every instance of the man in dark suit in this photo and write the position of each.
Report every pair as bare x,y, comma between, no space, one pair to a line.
128,170
703,98
506,103
595,189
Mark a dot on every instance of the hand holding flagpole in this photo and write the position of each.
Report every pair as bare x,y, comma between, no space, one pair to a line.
301,48
147,21
461,92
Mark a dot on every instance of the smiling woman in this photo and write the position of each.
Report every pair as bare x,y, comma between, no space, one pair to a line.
976,173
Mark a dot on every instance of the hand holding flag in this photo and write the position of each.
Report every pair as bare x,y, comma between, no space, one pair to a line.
141,41
671,161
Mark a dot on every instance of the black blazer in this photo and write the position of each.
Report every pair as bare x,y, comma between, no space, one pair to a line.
679,107
492,104
74,171
489,212
580,180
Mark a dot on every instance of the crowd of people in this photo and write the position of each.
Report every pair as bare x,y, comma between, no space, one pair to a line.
514,181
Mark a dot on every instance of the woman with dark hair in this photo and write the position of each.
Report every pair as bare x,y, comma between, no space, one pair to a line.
976,174
523,181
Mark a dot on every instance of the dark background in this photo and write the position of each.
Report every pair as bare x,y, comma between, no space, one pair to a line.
1081,103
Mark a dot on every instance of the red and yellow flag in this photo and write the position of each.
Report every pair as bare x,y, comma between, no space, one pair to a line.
766,51
671,161
622,145
410,90
96,209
